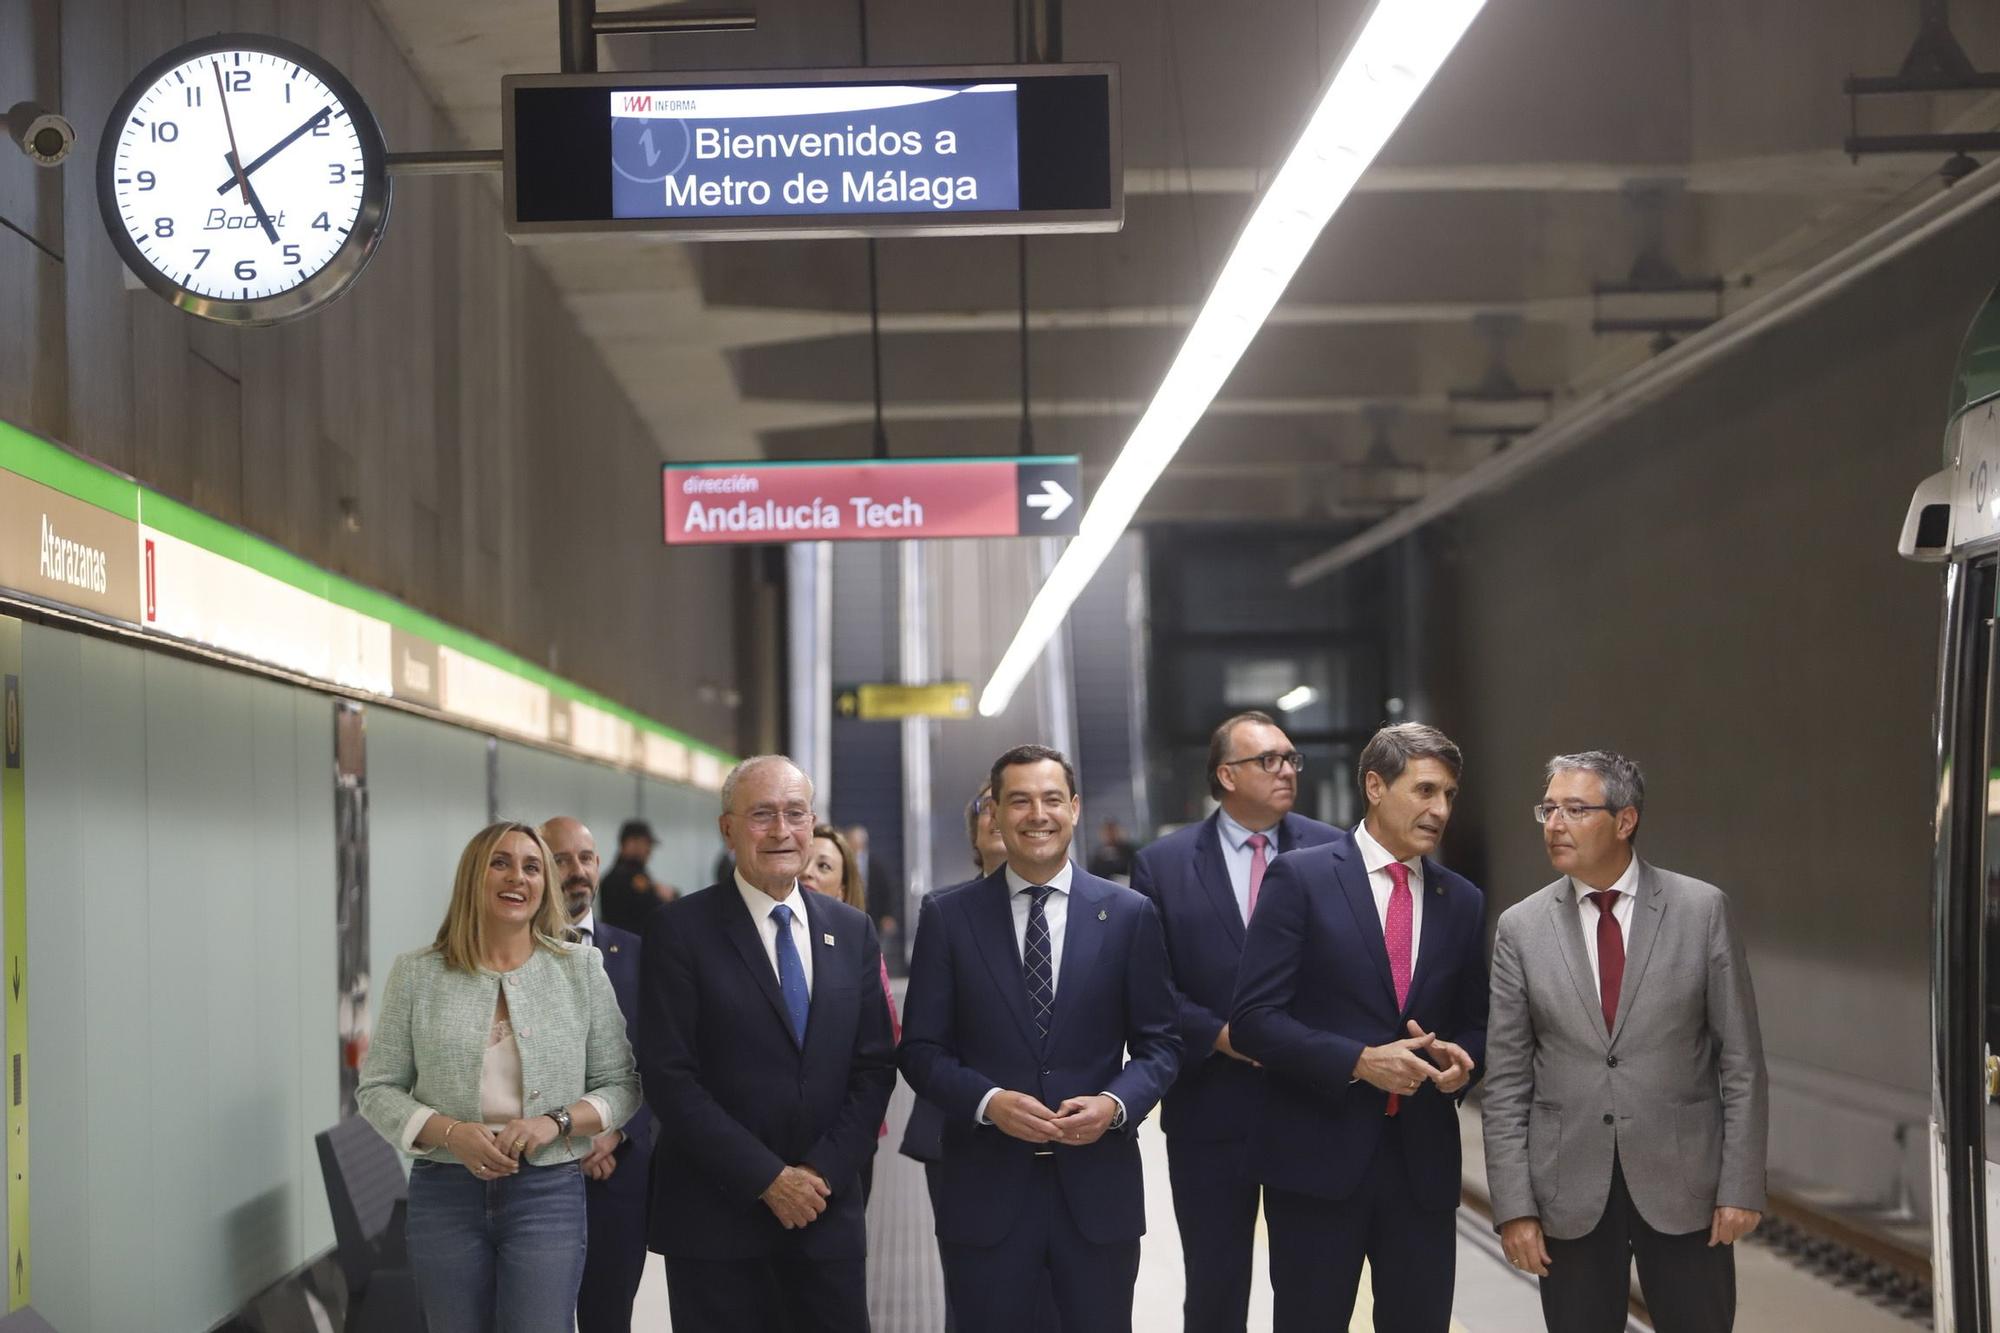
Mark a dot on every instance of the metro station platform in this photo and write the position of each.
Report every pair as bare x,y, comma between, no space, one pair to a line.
906,1291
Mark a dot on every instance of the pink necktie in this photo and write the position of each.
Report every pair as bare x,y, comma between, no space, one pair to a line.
1258,842
1396,935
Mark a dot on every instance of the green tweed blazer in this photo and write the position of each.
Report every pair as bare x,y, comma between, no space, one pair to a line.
430,1043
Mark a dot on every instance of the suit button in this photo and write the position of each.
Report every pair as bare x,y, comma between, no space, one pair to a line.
1607,1117
1611,1060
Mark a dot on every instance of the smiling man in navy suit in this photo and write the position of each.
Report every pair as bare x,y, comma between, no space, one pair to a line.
768,1058
1205,879
1363,994
617,1169
1027,989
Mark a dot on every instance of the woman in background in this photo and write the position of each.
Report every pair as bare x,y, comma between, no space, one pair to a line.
499,1052
832,870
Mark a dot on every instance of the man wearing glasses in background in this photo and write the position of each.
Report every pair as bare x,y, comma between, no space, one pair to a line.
1626,1103
768,1059
1205,880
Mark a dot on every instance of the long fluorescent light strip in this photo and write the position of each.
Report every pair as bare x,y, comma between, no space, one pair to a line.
1392,61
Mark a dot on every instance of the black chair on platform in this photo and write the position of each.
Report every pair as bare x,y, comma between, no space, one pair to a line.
368,1194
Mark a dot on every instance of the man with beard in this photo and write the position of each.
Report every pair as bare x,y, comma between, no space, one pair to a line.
768,1057
615,1170
1205,879
1363,995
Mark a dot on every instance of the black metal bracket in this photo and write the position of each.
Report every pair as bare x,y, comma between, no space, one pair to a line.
581,25
1935,63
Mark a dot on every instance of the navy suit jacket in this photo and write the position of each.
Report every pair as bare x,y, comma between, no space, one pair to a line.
737,1098
1314,988
1215,1098
967,1030
621,951
923,1133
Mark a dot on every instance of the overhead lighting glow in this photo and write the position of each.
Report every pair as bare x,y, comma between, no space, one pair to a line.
1292,700
1399,49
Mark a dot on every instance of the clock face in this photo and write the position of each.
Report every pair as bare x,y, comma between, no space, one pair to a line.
243,179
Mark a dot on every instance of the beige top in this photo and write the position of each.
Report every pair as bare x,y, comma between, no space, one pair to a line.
500,1076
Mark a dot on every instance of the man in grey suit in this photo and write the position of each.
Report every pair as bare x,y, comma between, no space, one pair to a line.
1626,1102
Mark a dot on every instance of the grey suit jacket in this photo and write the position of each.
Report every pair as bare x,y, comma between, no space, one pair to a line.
1678,1090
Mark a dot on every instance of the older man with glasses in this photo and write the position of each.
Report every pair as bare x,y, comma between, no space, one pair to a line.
1626,1103
768,1059
1205,880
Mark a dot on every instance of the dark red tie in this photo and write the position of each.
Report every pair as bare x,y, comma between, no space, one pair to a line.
1610,955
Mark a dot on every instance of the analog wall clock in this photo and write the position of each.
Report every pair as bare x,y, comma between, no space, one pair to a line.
243,179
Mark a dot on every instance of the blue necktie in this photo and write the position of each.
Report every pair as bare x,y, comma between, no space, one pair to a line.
791,973
1036,961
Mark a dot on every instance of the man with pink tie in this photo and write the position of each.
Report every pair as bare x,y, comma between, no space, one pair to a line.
1363,995
1205,880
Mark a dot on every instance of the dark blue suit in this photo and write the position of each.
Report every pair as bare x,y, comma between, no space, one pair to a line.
1342,1179
1009,1212
1215,1101
616,1258
738,1099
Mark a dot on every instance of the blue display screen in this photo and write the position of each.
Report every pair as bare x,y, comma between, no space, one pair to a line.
935,148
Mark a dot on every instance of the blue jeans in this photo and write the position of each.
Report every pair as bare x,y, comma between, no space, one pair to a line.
501,1256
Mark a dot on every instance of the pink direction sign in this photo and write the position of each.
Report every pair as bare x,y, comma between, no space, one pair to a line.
870,500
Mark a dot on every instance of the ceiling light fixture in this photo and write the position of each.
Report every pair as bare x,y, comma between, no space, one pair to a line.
1292,700
1400,47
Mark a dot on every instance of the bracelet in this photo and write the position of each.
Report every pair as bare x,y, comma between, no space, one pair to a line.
445,1142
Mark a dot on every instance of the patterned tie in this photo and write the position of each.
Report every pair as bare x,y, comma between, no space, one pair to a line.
1037,965
1396,935
1610,954
791,974
1258,842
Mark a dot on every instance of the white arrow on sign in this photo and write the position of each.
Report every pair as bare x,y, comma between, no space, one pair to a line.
1052,501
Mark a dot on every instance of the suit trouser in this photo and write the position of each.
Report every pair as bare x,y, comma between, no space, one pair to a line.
1215,1208
1690,1287
615,1254
1317,1246
780,1293
1004,1287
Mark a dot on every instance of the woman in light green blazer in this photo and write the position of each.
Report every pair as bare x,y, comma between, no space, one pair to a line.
499,1052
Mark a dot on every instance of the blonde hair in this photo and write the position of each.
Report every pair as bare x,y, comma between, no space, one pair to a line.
852,891
462,937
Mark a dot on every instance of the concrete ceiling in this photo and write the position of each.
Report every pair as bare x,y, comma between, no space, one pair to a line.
1560,137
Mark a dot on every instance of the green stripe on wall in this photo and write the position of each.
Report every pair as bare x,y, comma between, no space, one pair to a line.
57,468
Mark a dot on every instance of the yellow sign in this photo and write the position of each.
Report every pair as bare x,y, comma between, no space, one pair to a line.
14,905
888,703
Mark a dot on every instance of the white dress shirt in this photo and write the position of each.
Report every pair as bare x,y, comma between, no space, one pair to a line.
760,904
1376,858
1626,888
1237,854
587,927
1055,912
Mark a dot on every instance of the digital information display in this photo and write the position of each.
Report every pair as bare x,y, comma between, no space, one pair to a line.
871,152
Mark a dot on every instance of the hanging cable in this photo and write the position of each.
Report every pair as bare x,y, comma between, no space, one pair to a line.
881,449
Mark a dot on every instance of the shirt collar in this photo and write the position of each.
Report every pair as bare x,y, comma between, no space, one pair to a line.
1236,835
1628,884
588,924
1374,855
760,903
1015,884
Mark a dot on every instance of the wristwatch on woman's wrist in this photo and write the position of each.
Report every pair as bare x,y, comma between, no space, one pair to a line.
561,1117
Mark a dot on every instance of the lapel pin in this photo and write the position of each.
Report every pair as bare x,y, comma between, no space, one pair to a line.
1102,914
613,948
828,939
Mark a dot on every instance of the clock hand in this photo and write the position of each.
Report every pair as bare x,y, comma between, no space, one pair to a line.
235,154
256,204
317,118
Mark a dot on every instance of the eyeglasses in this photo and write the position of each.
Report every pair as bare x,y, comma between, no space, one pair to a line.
1571,811
1272,760
764,818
